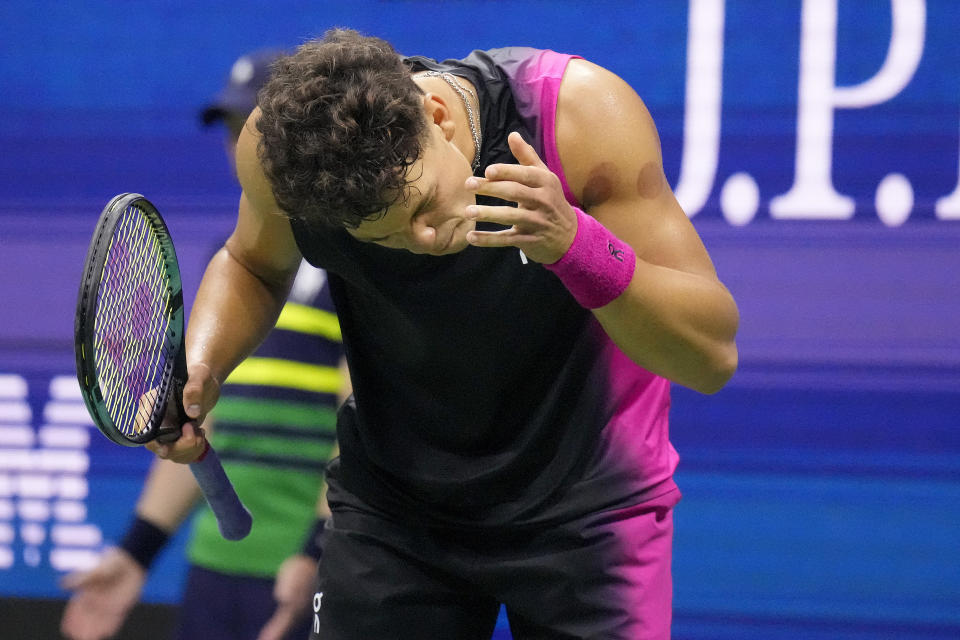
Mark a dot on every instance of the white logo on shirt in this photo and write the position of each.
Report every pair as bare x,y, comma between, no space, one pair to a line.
317,601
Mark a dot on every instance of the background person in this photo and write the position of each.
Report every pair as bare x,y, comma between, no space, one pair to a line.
274,431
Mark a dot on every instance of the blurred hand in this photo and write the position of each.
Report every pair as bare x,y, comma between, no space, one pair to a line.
293,591
103,596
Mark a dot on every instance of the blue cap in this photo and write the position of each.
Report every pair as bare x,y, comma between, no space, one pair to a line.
247,76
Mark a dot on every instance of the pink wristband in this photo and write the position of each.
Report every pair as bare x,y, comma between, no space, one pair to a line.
597,267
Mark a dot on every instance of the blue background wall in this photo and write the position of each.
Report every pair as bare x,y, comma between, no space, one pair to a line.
822,487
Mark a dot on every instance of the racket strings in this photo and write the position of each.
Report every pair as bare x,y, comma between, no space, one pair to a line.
130,334
132,401
141,364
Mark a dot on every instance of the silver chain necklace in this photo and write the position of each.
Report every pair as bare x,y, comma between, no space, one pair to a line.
474,126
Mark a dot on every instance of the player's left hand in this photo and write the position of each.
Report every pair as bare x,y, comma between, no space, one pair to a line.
542,225
293,591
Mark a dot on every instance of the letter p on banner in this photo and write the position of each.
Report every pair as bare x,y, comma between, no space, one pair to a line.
812,195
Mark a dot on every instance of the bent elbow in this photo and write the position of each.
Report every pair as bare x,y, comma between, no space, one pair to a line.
721,370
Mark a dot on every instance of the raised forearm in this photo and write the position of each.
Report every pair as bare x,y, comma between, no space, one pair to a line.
676,324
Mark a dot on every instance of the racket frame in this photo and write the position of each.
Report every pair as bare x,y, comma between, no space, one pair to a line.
174,372
233,519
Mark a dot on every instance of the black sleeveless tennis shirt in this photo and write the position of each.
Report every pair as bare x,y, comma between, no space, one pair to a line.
479,391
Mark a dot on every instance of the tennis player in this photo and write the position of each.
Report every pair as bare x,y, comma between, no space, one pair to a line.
273,433
517,288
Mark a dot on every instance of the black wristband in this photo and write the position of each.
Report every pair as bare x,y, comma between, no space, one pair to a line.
313,545
143,540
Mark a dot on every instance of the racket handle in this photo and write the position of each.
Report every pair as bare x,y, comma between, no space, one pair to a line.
233,519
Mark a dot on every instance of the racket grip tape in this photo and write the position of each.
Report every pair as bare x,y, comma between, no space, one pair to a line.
233,519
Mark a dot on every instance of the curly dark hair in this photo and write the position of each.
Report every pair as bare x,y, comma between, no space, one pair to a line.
341,123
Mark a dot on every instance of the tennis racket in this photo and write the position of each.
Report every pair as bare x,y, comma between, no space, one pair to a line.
128,337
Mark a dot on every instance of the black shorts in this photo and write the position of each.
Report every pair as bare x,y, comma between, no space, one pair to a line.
605,575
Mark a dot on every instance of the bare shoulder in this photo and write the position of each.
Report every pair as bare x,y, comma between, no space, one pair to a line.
263,239
610,151
589,90
603,129
255,185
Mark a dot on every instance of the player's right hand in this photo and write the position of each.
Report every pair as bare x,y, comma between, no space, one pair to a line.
189,445
187,442
102,597
201,392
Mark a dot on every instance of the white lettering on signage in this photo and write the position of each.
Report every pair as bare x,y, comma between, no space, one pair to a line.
701,122
812,195
948,207
42,478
